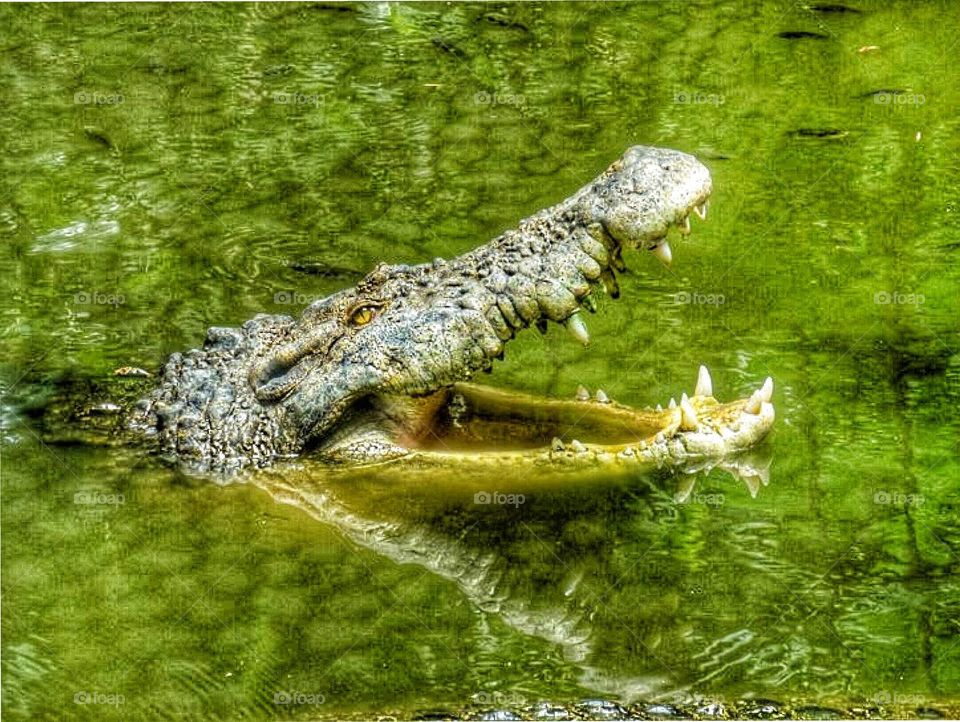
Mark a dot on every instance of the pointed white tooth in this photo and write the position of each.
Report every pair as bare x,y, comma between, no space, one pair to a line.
764,475
755,403
704,383
685,488
582,393
663,252
578,329
701,210
672,404
577,447
602,397
753,485
684,224
688,417
766,391
659,407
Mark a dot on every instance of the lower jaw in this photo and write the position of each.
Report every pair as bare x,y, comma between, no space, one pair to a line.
473,418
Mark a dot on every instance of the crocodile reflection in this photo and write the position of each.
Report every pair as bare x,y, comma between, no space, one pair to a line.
553,556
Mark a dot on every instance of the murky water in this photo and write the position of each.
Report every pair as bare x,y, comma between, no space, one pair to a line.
166,170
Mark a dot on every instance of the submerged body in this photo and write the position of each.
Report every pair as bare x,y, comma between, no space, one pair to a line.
378,372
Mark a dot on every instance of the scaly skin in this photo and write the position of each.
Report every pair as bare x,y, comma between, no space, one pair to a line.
369,374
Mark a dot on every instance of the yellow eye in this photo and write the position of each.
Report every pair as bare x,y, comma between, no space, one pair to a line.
362,316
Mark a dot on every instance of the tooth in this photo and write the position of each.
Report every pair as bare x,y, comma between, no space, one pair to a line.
659,407
556,444
685,488
663,252
578,329
701,210
754,403
672,404
704,383
766,391
688,417
659,438
602,397
684,224
577,446
582,393
588,303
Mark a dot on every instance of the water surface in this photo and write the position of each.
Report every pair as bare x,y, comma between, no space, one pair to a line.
167,169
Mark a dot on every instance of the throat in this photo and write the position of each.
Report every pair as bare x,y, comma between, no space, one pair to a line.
470,417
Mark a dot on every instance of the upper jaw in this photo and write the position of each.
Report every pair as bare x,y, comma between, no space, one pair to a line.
657,242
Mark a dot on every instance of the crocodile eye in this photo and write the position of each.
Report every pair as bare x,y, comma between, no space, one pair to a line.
363,315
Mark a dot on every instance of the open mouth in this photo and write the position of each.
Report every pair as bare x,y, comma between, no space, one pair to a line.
472,418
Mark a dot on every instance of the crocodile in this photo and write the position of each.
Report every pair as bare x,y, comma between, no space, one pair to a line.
383,371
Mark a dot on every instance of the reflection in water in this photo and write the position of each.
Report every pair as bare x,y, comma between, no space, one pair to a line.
453,529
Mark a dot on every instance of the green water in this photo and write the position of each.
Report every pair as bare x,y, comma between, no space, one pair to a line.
166,169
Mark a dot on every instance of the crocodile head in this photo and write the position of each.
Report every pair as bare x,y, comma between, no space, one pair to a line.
369,373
